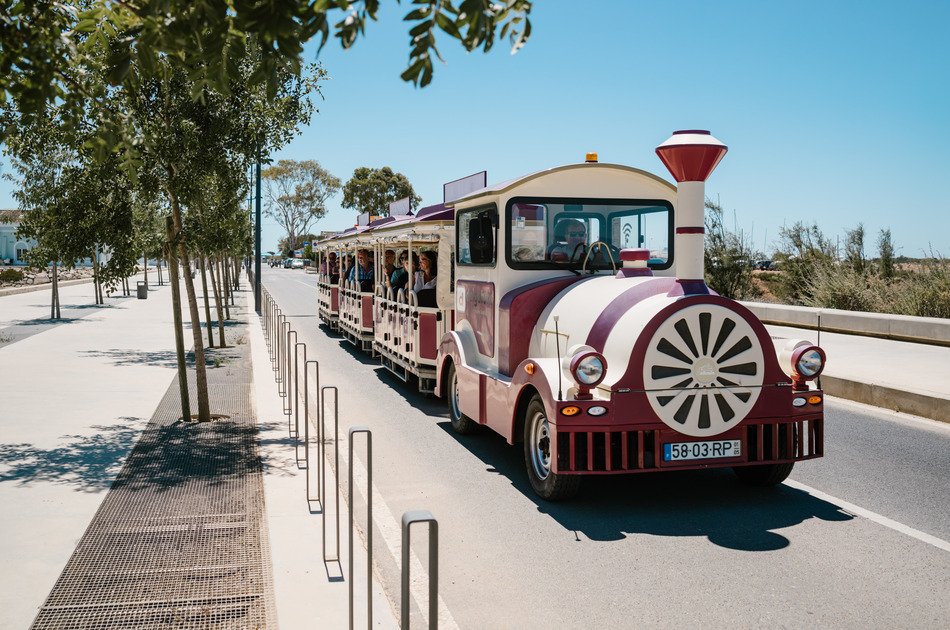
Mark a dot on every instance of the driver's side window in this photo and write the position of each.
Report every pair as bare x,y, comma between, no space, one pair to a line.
528,232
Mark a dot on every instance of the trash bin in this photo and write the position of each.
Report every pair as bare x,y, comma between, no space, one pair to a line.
142,290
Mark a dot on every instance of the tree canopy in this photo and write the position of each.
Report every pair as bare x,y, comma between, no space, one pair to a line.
297,192
44,41
373,189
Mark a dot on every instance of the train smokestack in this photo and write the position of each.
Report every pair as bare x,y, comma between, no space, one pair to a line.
691,156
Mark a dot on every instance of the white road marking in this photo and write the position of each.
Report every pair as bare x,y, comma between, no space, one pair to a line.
391,530
872,516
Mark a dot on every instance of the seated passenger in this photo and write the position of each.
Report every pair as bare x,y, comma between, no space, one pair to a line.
347,268
570,241
426,277
362,273
425,282
399,278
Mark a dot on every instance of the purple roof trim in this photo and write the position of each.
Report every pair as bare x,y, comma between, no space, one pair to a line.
437,212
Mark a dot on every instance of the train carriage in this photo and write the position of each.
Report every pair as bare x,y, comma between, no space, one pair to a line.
572,317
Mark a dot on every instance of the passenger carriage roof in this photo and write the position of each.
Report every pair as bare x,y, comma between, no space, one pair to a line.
508,185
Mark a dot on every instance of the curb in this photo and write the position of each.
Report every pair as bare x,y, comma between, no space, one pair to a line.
924,405
39,287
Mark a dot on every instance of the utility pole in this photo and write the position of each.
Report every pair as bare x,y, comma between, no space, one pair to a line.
257,237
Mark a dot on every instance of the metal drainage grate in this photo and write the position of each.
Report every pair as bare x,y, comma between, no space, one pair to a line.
179,540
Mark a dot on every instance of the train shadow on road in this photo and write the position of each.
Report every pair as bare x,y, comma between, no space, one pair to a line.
710,503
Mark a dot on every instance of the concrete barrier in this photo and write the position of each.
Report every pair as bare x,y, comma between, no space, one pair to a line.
929,330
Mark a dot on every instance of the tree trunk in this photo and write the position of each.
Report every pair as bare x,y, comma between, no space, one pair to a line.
227,263
176,311
145,266
217,303
201,375
224,290
54,303
95,277
227,282
236,266
204,290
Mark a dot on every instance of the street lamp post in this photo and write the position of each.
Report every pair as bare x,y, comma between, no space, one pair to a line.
257,237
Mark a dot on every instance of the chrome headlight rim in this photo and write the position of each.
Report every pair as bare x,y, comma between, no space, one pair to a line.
809,354
578,363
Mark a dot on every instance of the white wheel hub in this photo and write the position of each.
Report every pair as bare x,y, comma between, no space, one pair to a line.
703,370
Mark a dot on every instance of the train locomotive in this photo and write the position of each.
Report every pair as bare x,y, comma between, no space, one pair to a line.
570,315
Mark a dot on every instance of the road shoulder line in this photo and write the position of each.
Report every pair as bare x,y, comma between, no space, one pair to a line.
872,516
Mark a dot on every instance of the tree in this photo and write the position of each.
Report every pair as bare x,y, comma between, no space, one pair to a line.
727,257
143,40
885,248
854,248
802,251
297,192
373,189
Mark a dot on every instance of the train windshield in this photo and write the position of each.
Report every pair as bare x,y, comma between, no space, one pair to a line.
561,233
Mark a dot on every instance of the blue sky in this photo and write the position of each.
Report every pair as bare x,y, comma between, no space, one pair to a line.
836,112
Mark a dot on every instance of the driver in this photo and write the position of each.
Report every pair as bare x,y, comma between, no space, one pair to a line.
570,240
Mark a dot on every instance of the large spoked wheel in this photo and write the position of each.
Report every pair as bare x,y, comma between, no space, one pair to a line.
764,474
460,422
538,456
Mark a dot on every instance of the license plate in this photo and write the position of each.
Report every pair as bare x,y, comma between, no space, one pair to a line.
681,451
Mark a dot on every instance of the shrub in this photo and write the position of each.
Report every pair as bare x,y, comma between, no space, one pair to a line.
11,275
728,258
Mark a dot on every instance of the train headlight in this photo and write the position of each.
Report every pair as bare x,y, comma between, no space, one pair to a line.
808,361
588,368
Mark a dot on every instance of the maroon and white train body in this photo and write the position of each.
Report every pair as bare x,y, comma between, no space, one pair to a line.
571,315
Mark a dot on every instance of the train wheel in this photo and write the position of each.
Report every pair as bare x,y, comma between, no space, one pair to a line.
537,457
460,422
764,474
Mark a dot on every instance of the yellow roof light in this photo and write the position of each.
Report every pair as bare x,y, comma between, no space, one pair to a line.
591,156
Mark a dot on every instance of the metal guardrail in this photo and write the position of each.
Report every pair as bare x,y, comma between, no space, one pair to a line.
336,466
306,434
408,519
369,522
280,337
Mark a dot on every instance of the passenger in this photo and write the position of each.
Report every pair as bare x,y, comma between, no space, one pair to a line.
347,267
329,265
362,273
425,281
570,237
400,275
389,262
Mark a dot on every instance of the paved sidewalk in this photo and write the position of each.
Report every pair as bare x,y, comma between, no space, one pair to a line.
73,401
909,377
72,411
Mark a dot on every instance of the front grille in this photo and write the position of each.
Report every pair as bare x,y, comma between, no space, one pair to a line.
786,441
606,451
635,451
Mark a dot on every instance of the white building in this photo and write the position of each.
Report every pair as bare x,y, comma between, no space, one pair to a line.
12,250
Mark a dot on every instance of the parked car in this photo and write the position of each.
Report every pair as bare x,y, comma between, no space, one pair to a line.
296,263
288,262
764,265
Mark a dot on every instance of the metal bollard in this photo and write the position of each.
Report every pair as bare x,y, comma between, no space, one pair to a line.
306,430
420,516
288,385
296,434
369,523
336,464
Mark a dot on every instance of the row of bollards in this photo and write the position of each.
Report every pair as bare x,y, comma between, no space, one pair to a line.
286,352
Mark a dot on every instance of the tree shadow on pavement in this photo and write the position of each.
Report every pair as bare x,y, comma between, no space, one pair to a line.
155,358
709,503
88,462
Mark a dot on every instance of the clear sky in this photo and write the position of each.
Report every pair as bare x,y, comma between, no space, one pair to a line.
834,111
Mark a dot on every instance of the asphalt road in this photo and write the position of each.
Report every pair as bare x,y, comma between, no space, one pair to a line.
681,549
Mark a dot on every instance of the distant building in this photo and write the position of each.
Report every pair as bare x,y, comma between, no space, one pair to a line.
13,250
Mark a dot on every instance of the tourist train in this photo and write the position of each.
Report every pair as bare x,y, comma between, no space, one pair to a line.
567,311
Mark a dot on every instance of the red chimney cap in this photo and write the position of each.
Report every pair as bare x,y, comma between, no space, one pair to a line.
691,154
